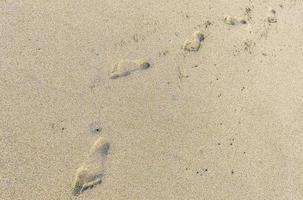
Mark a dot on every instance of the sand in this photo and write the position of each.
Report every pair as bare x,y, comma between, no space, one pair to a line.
220,120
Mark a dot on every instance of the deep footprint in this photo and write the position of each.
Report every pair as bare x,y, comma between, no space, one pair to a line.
126,67
194,43
90,173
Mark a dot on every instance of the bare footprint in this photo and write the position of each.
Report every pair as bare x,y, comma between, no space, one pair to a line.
271,18
194,43
126,67
234,20
90,173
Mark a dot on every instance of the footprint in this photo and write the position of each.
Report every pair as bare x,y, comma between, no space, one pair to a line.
234,20
126,67
194,43
90,173
272,16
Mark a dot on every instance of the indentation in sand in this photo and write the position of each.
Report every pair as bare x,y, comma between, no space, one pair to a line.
234,20
126,67
194,43
90,173
271,18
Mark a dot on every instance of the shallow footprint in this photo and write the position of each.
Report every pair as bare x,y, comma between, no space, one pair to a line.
234,20
90,173
194,43
126,67
271,18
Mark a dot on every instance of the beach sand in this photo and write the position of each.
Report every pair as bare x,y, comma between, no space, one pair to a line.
193,100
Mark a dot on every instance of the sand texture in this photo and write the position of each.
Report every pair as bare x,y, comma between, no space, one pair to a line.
151,100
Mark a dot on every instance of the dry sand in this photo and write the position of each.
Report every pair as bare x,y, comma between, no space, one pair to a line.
222,119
